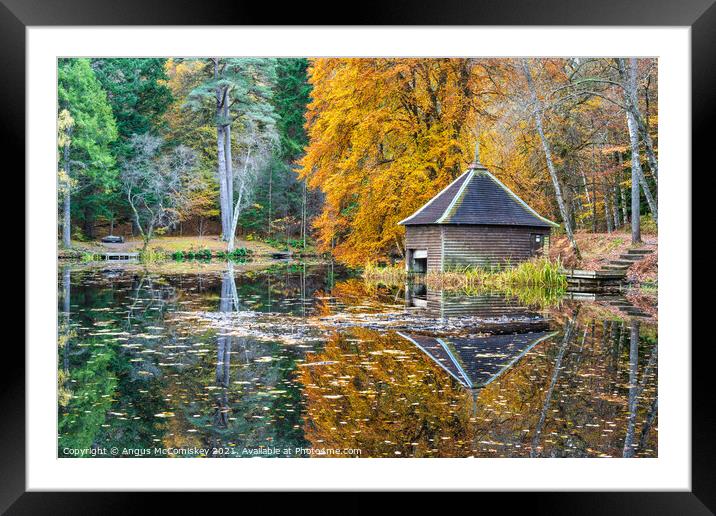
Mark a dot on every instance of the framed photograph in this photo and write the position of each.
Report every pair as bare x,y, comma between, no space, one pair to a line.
423,248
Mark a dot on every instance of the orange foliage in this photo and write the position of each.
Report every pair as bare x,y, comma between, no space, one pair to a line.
385,136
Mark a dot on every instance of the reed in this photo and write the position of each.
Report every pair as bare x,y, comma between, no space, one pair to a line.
540,273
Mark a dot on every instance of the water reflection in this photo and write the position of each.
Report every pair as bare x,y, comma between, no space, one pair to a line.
141,368
475,362
445,304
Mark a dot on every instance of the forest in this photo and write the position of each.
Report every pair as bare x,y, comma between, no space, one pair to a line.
329,154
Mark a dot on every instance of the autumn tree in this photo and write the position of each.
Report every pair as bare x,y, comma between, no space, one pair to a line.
385,135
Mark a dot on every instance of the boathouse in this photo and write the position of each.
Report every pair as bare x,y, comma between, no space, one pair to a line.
475,221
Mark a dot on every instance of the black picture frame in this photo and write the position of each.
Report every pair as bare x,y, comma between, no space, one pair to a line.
16,15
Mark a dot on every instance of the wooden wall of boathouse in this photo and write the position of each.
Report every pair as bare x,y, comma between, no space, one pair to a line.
428,237
451,246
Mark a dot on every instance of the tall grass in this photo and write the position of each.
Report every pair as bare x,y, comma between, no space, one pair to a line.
540,273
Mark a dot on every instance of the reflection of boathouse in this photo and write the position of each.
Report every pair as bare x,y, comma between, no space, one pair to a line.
476,362
474,221
442,304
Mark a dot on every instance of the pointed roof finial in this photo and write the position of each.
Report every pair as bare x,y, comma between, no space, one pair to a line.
476,161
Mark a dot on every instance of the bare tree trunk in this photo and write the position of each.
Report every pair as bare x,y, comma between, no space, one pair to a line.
303,215
237,206
615,205
235,220
270,199
66,217
622,193
607,214
224,206
635,203
644,128
228,156
586,188
594,205
548,156
630,86
223,193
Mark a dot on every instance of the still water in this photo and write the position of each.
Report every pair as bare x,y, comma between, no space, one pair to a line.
300,360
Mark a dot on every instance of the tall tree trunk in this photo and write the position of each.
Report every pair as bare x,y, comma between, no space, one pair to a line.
303,215
635,202
615,205
594,205
270,199
630,86
224,206
223,193
548,156
228,157
66,216
607,214
622,192
66,219
237,206
644,129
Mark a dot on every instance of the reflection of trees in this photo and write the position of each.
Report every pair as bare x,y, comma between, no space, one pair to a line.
245,398
93,385
537,433
633,388
382,395
64,338
150,298
567,397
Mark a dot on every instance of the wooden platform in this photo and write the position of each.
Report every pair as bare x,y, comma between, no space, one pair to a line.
594,281
118,256
602,274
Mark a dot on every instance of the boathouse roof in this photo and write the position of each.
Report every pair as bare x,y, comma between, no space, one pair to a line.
477,197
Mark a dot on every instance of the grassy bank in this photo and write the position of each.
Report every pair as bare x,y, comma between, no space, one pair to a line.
539,273
166,245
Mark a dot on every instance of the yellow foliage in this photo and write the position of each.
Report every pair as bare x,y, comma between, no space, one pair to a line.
385,136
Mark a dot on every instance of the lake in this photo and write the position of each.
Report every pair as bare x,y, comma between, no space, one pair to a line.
308,360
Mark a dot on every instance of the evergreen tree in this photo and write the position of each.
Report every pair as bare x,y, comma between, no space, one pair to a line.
88,160
280,201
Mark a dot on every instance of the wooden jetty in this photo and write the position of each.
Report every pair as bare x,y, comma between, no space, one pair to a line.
610,278
594,281
117,256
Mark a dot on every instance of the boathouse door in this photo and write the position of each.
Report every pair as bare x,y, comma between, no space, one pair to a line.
536,244
420,260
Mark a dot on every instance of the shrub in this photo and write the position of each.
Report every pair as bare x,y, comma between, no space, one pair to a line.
648,226
151,255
